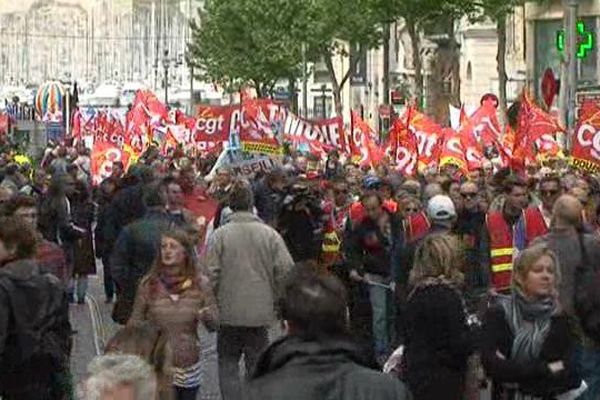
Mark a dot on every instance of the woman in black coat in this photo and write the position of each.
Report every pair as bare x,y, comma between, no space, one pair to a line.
84,262
527,345
438,337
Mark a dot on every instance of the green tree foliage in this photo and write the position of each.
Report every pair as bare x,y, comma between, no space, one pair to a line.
248,42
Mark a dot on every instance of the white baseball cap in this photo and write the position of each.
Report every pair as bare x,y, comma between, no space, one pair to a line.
441,208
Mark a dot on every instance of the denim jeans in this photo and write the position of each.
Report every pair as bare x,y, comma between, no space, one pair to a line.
78,285
382,304
588,364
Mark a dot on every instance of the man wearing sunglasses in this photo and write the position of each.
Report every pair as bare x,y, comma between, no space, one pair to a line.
535,221
469,225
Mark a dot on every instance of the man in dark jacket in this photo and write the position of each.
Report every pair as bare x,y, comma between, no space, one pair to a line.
269,194
469,226
135,251
374,242
35,333
315,360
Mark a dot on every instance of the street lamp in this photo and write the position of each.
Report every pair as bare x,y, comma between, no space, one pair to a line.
166,76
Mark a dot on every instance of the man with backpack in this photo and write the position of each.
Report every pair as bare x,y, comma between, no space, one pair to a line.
35,333
578,288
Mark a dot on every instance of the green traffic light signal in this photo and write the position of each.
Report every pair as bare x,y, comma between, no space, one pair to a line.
585,45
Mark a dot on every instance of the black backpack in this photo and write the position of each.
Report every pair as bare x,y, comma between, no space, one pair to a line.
39,327
587,294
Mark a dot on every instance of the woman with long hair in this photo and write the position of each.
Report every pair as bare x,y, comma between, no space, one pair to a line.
176,298
438,337
527,344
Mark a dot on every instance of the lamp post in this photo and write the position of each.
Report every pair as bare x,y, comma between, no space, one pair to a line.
571,39
166,76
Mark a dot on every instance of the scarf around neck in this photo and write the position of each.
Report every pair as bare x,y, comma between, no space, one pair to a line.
529,321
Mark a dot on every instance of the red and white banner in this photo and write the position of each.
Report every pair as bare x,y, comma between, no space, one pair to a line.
403,147
370,153
103,156
586,142
453,152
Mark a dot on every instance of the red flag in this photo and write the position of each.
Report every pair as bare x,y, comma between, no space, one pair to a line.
371,154
404,146
586,142
76,125
429,138
533,123
103,156
261,127
4,123
453,152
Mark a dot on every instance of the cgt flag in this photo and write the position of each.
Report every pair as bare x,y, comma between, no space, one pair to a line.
586,143
104,155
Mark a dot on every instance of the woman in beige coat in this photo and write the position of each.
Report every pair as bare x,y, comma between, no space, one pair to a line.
176,298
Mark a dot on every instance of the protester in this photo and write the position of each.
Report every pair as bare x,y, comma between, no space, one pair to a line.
574,251
316,358
535,221
527,344
102,239
244,247
269,194
374,243
123,377
174,297
498,238
84,262
469,226
136,250
438,339
35,333
49,255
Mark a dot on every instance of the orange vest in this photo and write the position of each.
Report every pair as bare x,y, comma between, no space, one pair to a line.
501,250
416,227
535,225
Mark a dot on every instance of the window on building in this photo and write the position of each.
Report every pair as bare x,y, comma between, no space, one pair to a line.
318,103
320,73
469,71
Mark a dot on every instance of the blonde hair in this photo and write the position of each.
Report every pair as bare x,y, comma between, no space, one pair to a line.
530,256
438,256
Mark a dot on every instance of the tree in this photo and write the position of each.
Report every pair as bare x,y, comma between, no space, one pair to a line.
498,12
427,16
334,26
248,42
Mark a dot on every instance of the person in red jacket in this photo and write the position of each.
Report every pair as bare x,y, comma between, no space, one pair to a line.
535,221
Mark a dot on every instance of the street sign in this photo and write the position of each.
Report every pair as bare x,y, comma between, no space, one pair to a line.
585,42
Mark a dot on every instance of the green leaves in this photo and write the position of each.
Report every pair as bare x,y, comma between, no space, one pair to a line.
248,42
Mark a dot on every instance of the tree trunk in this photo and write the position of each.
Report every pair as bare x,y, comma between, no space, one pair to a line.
417,61
386,63
338,86
501,60
293,94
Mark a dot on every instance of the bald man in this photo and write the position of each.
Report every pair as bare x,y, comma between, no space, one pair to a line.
566,241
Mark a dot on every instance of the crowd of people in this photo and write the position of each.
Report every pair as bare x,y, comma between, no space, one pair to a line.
450,283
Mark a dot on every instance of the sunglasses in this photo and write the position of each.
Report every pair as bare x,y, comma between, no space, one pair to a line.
411,210
469,195
343,191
